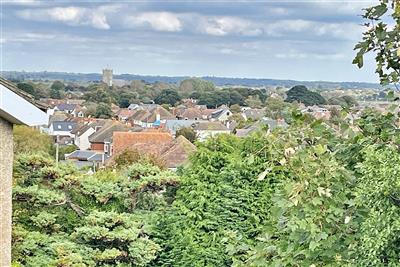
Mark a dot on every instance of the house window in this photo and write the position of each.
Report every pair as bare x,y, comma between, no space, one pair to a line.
69,127
59,126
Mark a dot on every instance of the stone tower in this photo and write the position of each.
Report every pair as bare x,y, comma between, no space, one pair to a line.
108,76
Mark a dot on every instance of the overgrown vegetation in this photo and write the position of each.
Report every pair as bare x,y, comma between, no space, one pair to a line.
309,195
65,218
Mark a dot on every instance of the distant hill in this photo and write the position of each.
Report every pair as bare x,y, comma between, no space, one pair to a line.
219,81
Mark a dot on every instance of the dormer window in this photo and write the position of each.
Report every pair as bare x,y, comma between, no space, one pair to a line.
69,127
59,126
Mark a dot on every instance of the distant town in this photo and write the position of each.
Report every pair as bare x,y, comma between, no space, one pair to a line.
92,122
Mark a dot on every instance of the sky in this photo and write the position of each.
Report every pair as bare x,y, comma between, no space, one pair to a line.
299,40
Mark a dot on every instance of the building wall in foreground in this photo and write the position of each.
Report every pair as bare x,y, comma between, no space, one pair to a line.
6,162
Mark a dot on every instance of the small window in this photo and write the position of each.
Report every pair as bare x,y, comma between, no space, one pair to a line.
59,126
69,127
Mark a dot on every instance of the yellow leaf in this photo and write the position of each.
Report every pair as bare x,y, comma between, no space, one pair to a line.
398,52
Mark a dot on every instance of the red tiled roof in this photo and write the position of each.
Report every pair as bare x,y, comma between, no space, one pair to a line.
178,154
126,140
124,112
189,113
174,152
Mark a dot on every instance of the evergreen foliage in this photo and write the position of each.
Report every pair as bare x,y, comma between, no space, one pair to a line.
65,218
301,94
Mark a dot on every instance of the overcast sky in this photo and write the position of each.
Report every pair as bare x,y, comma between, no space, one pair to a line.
303,40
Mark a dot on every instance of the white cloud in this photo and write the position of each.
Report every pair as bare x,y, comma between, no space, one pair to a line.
160,21
72,15
221,26
346,30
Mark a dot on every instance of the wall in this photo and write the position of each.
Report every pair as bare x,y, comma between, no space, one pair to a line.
83,140
6,161
97,146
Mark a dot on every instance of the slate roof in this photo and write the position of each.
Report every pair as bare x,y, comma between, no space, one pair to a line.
66,107
210,126
133,106
81,128
64,126
77,127
107,131
57,117
86,155
12,87
218,113
175,125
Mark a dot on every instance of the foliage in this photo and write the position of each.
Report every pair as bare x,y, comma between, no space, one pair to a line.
103,111
343,101
64,149
276,108
56,89
378,194
130,156
30,140
301,94
312,194
168,96
382,38
58,86
195,85
253,102
65,218
218,197
26,87
187,132
235,108
99,94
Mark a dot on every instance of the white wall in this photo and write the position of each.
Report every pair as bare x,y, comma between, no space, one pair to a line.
83,141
